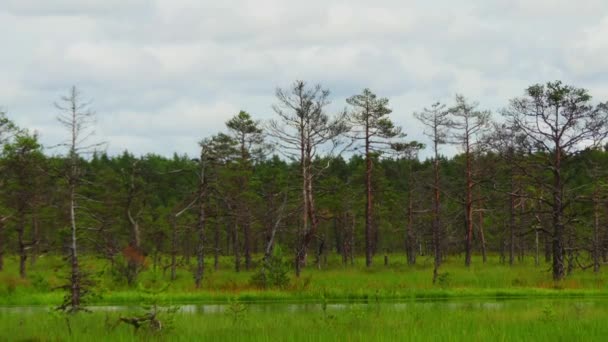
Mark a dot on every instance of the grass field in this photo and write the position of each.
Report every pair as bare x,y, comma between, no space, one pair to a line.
398,302
517,320
335,282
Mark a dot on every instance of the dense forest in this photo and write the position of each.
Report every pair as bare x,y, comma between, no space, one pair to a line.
527,182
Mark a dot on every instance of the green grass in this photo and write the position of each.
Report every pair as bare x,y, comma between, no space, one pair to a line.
398,282
538,320
398,302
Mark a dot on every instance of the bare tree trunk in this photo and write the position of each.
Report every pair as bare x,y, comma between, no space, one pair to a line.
482,238
187,244
173,247
436,220
503,246
22,250
320,251
75,276
247,242
351,248
558,247
410,243
369,208
202,219
35,238
548,247
337,223
216,250
273,232
512,223
558,213
2,243
537,249
237,252
300,249
310,233
468,213
596,231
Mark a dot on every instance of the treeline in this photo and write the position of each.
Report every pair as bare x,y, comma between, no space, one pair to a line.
531,182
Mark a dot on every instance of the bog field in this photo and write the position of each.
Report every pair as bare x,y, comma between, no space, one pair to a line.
353,303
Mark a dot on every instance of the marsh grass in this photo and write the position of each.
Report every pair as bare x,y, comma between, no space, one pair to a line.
335,283
537,320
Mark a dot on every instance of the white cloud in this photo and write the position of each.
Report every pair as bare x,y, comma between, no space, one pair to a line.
165,73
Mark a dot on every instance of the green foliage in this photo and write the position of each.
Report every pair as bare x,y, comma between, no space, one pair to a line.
236,310
273,272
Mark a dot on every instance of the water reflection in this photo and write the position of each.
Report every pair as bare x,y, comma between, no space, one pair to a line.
211,309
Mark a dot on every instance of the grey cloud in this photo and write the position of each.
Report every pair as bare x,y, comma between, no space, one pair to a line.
165,73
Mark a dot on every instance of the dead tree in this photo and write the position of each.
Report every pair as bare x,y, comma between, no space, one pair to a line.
303,129
77,118
202,218
437,122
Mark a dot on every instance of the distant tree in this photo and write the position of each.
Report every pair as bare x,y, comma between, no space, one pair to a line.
560,121
409,153
202,194
301,132
7,130
224,178
467,125
248,133
437,122
23,161
77,118
370,123
509,145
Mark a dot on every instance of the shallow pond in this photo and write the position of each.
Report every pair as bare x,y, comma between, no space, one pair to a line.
278,307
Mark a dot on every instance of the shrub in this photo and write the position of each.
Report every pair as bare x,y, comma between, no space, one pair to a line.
273,271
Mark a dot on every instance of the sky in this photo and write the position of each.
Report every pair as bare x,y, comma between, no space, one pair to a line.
163,74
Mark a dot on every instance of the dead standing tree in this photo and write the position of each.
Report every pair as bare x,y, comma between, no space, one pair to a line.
77,118
437,122
202,194
560,121
304,128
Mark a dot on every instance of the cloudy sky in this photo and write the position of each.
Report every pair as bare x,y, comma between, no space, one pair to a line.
162,74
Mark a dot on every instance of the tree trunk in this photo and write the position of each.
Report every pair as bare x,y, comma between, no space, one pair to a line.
202,219
2,243
173,247
309,234
410,243
337,238
468,213
436,219
35,238
512,224
75,275
237,252
216,249
482,238
369,201
247,242
537,249
596,231
22,250
557,246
